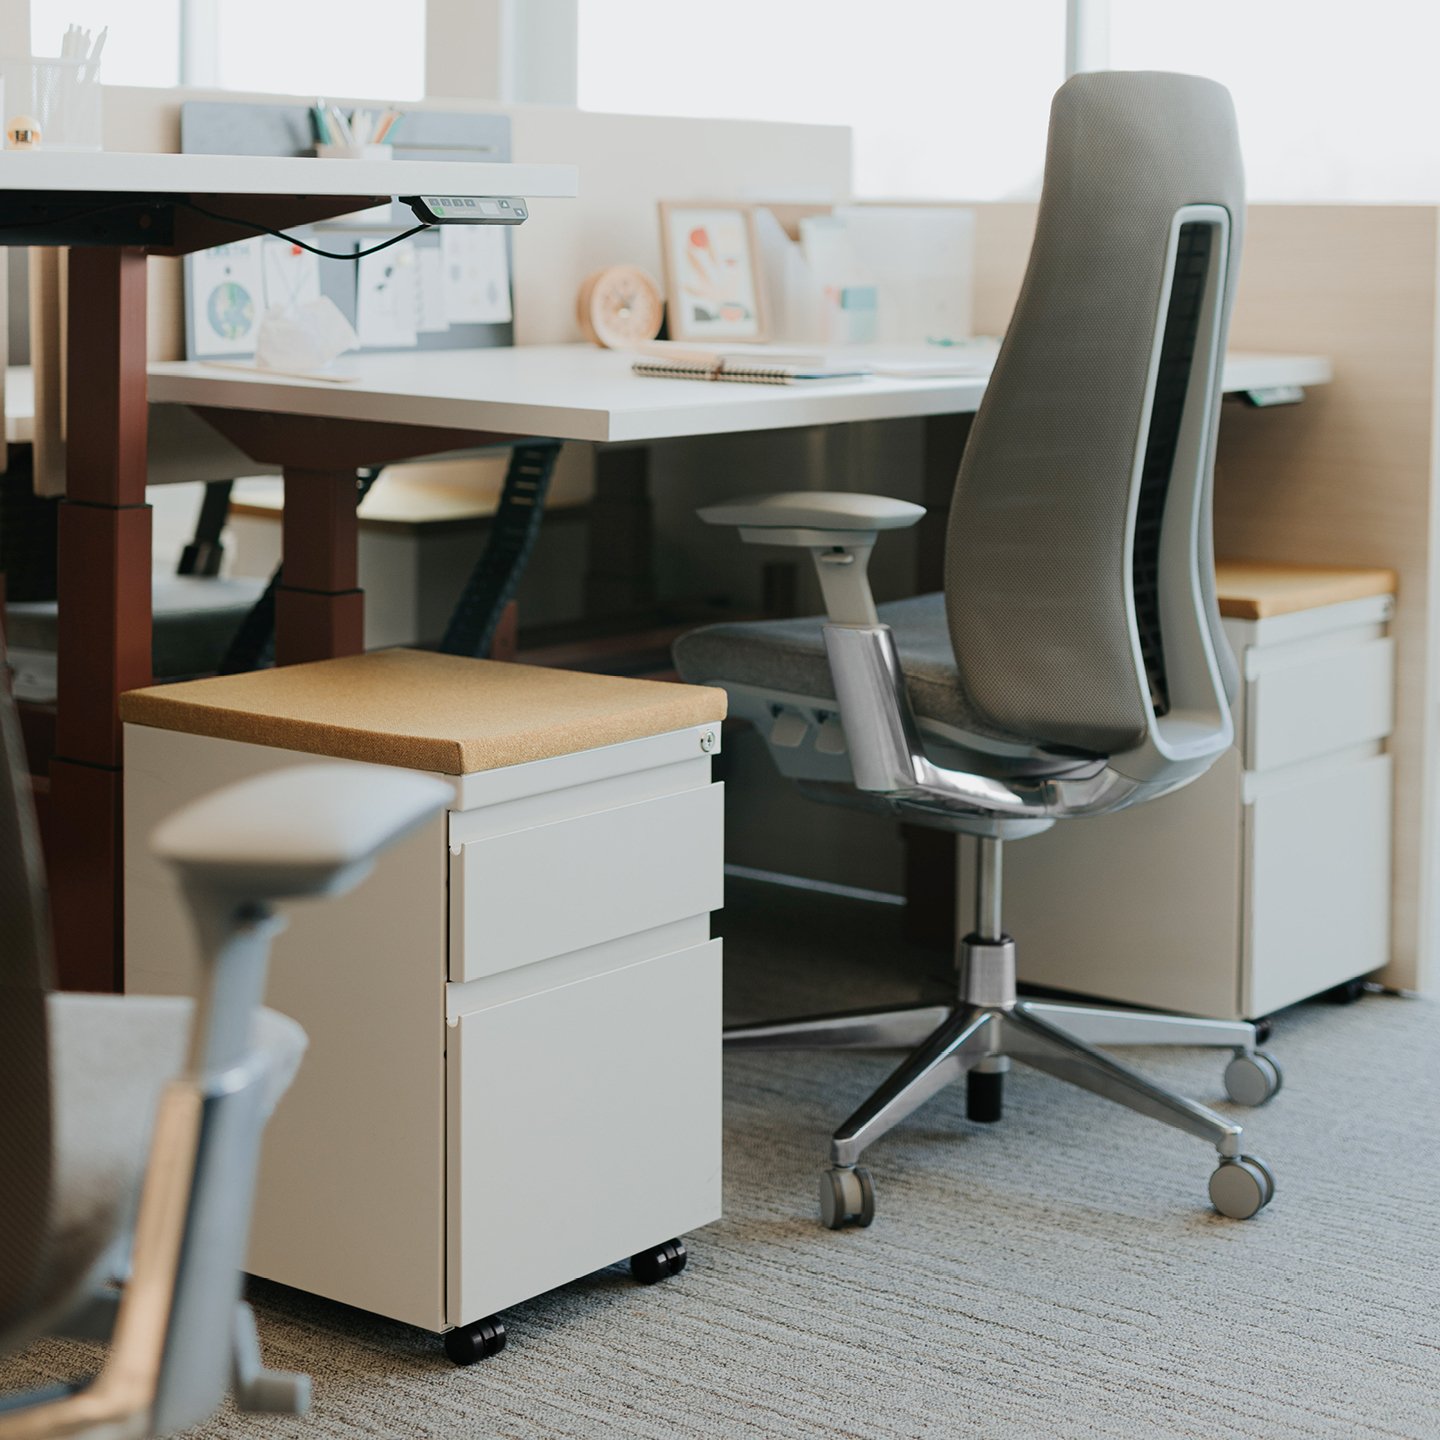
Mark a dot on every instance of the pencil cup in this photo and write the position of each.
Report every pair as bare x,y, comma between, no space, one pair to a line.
52,102
353,152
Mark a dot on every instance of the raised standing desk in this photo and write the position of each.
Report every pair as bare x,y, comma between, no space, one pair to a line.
413,404
408,405
114,210
579,392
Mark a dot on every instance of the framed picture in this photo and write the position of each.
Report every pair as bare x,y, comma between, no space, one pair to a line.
712,271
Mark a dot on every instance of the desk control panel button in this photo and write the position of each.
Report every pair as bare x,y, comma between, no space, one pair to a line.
468,209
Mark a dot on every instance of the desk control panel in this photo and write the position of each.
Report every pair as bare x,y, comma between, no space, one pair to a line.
1265,396
467,209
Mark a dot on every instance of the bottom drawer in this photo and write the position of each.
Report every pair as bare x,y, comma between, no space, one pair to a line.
1318,888
583,1125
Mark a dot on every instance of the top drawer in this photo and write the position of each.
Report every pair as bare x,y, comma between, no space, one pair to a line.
1320,698
550,889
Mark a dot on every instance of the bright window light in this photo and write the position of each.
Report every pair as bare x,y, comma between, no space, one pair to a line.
1335,101
142,48
372,48
947,98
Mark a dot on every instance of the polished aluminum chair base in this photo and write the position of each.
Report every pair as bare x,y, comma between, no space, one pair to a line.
988,1028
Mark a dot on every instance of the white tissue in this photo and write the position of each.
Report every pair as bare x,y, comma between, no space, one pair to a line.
303,337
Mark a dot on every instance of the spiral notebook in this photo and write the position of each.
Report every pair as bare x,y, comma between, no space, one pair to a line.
760,366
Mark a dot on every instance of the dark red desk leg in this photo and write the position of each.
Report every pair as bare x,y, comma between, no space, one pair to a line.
319,608
104,626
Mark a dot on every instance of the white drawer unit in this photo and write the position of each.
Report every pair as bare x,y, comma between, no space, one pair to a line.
1267,880
506,1013
502,886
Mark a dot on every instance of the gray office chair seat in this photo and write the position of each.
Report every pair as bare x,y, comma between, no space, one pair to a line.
111,1056
788,657
195,619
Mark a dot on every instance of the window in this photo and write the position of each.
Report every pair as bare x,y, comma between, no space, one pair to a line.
1334,102
947,98
373,48
142,48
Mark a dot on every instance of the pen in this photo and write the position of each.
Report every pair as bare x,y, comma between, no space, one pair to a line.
93,67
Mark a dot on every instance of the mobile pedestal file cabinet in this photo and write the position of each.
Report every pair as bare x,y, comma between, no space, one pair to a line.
514,1068
1267,880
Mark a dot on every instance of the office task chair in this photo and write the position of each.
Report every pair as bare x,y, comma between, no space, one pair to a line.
1075,662
196,612
87,1078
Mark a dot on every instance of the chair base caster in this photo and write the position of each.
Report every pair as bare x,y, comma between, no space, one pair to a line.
466,1344
1253,1079
847,1197
659,1262
1242,1187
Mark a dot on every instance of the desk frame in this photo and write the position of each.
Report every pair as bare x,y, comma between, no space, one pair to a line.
115,210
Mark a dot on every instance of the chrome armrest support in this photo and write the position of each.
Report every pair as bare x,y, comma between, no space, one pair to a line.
888,757
838,528
886,753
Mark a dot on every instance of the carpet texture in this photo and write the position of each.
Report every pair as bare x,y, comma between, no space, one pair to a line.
1057,1275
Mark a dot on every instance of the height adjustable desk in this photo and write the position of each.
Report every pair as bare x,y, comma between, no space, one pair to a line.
402,406
115,209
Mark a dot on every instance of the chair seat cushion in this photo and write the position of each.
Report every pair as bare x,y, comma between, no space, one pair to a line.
110,1057
195,619
788,657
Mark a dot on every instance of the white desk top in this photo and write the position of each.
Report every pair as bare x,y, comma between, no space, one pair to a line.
578,392
121,172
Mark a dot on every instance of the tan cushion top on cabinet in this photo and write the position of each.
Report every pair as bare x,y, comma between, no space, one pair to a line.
425,711
1253,590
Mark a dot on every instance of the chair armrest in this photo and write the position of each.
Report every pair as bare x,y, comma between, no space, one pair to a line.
304,831
837,528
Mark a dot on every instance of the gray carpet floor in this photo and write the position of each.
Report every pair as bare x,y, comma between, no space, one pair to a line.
1057,1275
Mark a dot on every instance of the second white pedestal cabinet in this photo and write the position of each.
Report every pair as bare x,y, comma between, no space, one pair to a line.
1268,879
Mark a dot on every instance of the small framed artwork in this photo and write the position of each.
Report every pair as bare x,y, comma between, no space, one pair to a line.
712,271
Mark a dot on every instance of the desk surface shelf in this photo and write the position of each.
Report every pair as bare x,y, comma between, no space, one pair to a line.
578,392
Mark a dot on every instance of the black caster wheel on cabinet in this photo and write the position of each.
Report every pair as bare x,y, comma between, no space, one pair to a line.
466,1344
659,1262
1264,1028
1346,994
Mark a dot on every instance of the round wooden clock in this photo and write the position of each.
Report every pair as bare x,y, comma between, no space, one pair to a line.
620,306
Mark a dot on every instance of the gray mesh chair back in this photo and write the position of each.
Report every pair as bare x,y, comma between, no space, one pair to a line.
25,1119
1079,575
